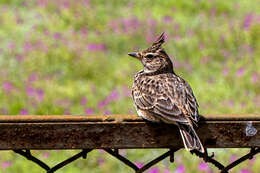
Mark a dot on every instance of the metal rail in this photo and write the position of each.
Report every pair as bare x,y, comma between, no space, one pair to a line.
112,132
122,131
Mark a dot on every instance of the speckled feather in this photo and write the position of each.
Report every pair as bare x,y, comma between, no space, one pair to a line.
167,95
161,95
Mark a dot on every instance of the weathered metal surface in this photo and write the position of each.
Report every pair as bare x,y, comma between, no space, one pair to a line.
122,131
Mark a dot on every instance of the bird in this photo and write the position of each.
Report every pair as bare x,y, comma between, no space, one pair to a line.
160,95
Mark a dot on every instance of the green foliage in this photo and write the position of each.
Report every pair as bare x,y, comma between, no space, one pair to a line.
70,57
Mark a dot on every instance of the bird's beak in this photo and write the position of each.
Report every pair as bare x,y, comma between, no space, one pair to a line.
134,54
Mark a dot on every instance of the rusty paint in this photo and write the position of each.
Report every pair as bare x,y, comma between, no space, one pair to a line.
119,131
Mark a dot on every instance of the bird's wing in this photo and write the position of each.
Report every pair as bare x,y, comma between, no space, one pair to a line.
167,96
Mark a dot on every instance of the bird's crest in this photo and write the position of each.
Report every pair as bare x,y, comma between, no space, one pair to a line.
160,40
156,44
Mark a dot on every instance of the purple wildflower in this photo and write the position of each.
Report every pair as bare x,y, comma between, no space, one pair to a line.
180,169
27,46
203,167
102,103
130,24
225,71
177,37
154,170
42,3
24,112
167,19
240,72
107,112
45,155
166,171
32,78
245,171
30,91
40,94
7,86
101,161
6,164
83,101
248,21
66,112
255,78
233,158
89,111
139,165
115,26
96,47
3,111
57,36
84,31
114,95
19,57
11,45
205,60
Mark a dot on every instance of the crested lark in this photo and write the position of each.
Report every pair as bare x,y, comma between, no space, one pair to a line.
161,95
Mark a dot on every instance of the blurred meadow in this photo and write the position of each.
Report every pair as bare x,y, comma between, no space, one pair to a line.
70,57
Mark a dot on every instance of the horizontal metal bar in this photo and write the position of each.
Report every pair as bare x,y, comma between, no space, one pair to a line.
122,131
117,118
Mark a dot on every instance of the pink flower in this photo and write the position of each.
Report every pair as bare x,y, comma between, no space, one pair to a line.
180,169
40,95
240,72
101,161
233,158
66,112
3,111
139,165
6,164
107,112
248,21
7,86
154,170
96,47
113,96
32,78
167,19
27,46
225,71
203,167
89,111
24,112
83,101
245,171
45,155
30,91
57,36
254,78
19,57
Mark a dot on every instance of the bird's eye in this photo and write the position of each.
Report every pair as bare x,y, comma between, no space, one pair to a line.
150,56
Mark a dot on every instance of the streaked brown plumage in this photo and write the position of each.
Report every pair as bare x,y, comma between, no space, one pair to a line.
161,95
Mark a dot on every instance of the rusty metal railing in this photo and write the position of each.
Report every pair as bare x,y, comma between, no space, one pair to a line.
112,132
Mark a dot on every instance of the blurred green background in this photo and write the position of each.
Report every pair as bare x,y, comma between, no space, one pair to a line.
70,57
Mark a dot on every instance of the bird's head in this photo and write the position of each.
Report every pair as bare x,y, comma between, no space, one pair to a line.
154,58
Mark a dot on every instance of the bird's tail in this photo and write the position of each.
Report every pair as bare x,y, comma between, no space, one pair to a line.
190,138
